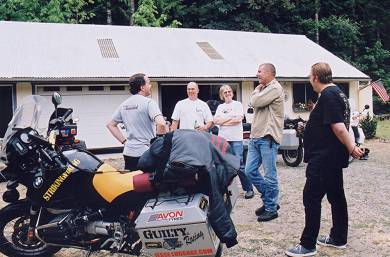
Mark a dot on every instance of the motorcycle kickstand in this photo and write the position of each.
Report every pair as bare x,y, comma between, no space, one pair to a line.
88,253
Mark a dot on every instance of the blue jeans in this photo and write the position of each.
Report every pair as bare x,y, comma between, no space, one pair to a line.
238,150
264,151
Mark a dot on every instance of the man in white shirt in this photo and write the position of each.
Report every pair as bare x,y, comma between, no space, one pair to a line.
192,113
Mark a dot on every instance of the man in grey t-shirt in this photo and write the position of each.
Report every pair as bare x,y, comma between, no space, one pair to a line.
140,115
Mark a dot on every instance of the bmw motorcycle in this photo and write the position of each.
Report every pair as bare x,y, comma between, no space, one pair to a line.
292,142
64,127
74,200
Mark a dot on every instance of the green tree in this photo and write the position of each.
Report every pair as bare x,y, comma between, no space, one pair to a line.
147,14
64,11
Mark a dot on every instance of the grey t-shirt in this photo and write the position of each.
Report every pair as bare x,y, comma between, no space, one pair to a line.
137,113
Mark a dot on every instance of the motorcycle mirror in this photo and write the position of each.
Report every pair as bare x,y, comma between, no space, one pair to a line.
250,110
366,107
56,99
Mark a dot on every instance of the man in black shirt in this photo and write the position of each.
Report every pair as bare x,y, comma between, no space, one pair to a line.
327,149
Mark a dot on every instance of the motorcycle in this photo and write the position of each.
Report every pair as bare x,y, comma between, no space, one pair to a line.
356,133
64,127
292,141
74,200
291,147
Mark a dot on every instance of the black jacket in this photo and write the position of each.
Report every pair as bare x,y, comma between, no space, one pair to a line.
183,153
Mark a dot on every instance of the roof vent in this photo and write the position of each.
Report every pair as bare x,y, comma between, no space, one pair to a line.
209,50
107,48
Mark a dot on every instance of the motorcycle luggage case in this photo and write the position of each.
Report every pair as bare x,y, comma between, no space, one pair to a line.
177,226
290,140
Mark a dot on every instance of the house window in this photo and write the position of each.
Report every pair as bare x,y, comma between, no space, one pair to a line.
304,97
96,88
117,88
51,89
74,88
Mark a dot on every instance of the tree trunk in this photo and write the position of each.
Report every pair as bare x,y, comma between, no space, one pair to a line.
317,3
109,15
132,10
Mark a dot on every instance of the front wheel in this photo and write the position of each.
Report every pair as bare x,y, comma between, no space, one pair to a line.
293,158
14,224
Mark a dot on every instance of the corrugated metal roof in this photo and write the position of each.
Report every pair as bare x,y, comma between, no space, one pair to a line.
43,50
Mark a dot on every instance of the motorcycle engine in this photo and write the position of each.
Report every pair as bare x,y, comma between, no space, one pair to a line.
73,229
87,229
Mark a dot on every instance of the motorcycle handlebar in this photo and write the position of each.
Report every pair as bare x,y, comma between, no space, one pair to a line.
39,140
67,113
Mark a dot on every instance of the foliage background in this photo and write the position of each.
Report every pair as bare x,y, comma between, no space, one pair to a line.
358,31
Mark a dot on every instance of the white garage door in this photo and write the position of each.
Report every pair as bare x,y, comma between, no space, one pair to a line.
94,106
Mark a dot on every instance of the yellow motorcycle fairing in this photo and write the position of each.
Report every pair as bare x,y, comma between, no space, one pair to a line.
111,183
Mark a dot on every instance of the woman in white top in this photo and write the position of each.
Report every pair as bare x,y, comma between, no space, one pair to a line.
229,117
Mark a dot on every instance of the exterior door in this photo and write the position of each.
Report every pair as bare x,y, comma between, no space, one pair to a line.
6,107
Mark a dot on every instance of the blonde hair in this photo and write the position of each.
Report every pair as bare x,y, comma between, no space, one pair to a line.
223,88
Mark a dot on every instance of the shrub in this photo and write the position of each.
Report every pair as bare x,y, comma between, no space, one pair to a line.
369,125
383,116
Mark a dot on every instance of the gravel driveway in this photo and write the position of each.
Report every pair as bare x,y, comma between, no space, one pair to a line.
367,189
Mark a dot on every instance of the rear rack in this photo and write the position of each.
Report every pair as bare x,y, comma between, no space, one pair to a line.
186,199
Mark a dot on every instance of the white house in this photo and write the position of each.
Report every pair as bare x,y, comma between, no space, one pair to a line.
90,66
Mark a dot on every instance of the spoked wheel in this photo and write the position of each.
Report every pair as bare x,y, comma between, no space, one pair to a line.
293,158
14,240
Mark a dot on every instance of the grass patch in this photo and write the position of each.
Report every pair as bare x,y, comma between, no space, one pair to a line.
383,129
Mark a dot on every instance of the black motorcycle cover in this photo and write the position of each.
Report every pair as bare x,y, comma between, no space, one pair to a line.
183,153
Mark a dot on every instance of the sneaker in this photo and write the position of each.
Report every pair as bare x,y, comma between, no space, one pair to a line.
267,216
299,250
328,241
249,194
261,210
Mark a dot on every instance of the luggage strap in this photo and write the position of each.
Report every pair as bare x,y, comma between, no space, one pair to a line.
165,154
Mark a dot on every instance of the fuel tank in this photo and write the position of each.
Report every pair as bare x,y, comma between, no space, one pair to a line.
71,187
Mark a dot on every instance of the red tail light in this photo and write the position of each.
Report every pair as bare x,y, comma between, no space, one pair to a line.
246,135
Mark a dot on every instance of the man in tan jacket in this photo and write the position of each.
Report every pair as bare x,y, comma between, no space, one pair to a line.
267,127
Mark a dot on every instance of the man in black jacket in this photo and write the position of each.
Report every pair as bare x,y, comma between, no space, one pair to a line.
327,149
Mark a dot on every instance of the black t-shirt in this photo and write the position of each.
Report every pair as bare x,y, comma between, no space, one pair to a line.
321,145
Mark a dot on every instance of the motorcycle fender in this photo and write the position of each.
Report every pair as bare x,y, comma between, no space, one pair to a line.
111,183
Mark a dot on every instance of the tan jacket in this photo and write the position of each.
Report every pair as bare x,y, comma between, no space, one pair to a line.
268,104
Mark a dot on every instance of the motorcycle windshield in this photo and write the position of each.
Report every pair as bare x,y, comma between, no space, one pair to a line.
28,114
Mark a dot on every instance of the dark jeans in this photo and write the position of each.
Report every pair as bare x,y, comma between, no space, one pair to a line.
321,181
238,149
356,134
131,162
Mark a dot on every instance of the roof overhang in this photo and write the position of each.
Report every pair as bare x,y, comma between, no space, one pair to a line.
159,79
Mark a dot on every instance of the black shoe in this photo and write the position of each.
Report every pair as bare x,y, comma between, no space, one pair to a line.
267,216
261,210
249,194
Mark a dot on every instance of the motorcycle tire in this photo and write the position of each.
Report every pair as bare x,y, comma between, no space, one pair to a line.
293,158
16,244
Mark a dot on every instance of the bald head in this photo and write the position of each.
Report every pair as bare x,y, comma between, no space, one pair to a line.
269,67
266,73
192,90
